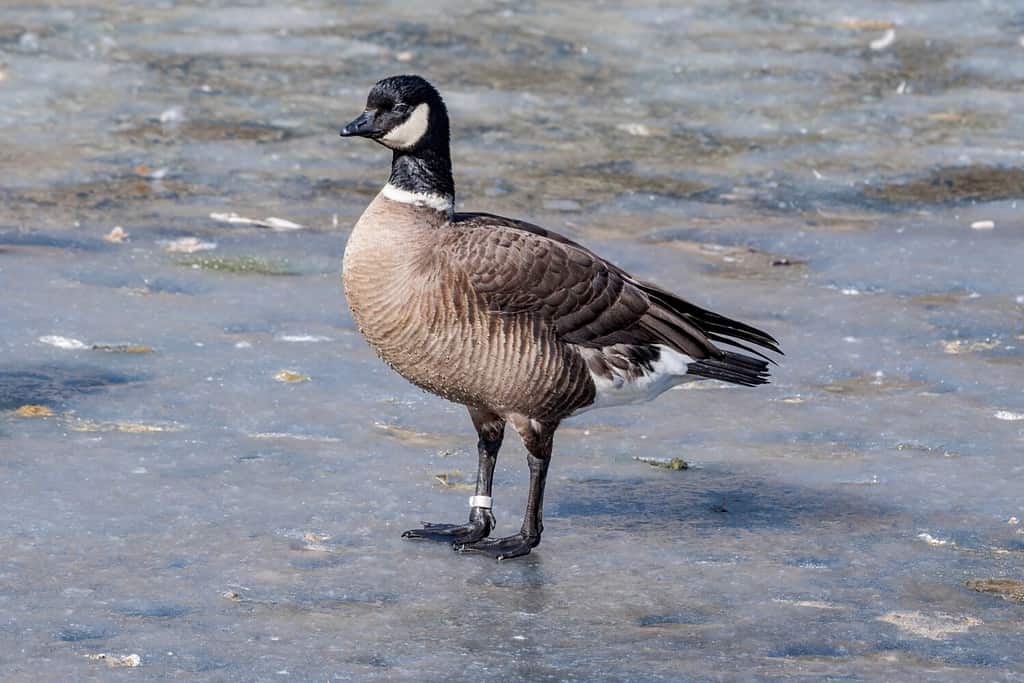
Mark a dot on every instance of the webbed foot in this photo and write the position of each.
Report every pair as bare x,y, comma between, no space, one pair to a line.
481,521
501,548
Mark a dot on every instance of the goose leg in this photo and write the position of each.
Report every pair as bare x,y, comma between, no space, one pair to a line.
537,437
490,429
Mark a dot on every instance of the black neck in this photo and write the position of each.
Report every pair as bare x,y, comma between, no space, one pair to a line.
425,169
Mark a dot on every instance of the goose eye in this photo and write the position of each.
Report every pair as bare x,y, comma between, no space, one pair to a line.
400,108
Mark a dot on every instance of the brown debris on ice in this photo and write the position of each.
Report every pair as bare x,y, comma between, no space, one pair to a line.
131,661
933,541
451,480
956,346
887,39
83,425
186,245
411,436
71,344
66,343
933,626
1008,589
639,130
33,410
860,24
271,222
290,376
117,235
743,262
317,542
122,348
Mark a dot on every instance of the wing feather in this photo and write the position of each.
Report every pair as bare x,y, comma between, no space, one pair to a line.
517,267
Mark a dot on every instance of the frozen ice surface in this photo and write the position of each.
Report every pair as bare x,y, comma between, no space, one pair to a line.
183,506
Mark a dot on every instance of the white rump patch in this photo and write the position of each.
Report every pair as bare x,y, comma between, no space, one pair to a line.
411,130
621,389
436,202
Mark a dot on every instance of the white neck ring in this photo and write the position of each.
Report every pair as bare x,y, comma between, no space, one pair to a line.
436,202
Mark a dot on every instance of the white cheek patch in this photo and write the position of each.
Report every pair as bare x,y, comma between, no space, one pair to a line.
411,130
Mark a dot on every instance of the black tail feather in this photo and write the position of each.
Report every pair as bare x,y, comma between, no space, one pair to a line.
696,331
732,342
731,367
716,327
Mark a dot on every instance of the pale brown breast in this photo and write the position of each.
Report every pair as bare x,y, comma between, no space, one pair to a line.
421,314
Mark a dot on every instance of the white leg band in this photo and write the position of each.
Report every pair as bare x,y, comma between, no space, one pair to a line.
480,502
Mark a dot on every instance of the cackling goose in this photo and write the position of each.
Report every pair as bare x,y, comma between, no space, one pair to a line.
515,322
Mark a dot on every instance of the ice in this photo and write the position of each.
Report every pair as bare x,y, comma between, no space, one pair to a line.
173,493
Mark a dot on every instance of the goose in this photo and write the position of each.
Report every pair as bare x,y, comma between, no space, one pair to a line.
518,323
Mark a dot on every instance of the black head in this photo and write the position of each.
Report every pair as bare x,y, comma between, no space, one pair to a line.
404,113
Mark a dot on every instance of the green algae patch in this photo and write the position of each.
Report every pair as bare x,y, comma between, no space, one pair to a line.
675,464
239,265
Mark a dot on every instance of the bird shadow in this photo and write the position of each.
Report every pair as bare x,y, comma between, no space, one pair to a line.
709,499
53,385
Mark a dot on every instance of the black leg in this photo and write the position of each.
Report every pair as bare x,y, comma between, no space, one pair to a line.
490,429
538,438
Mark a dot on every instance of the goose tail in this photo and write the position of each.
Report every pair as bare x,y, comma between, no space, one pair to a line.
734,368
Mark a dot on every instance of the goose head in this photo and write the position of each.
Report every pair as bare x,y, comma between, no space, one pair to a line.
404,113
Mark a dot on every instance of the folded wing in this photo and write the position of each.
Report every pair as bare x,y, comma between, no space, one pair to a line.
517,267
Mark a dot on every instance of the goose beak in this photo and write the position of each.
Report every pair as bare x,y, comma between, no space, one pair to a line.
363,126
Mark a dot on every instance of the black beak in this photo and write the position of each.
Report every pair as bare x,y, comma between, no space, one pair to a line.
363,126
